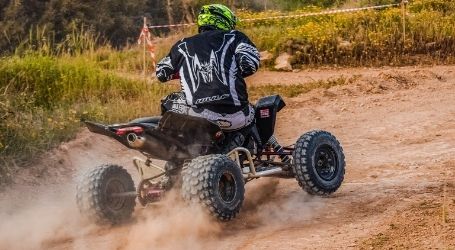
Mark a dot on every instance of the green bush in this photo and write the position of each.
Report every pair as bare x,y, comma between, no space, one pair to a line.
49,80
43,98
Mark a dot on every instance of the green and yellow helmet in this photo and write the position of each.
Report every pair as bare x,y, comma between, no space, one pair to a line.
217,16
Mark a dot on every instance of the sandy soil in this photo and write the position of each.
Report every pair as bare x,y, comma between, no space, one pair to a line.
397,127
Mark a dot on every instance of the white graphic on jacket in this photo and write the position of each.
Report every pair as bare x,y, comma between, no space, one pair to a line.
203,72
206,69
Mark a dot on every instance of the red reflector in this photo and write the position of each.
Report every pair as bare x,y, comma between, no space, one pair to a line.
218,135
264,113
123,131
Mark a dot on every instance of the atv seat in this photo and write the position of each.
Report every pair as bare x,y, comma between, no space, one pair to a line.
151,122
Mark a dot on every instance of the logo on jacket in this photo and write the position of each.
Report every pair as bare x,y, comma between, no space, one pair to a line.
211,99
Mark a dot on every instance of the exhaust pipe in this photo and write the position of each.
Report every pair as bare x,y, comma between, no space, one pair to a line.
135,141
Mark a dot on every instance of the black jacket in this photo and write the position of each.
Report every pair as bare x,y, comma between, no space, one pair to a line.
211,66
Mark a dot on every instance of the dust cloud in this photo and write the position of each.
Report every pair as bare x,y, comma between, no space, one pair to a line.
33,219
48,218
270,204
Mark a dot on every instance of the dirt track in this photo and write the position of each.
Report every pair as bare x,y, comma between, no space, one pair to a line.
397,127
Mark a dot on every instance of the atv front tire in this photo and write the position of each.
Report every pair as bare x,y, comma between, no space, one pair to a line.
216,182
319,163
95,194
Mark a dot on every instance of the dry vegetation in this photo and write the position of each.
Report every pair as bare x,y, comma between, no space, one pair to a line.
368,38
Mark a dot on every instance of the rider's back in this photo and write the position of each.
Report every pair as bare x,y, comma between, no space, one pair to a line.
212,65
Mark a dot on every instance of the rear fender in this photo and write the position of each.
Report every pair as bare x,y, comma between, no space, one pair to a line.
102,129
154,143
266,111
111,131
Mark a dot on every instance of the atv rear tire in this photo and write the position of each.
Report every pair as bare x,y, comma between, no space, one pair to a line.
216,182
94,192
319,163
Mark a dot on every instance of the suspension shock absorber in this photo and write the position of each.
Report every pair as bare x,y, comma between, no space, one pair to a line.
279,149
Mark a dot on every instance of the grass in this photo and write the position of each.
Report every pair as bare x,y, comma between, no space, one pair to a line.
43,98
294,90
367,38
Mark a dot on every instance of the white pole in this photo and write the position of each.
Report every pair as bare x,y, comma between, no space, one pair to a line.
144,41
403,10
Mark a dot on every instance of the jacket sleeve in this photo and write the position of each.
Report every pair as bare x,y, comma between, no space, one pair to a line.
246,55
167,68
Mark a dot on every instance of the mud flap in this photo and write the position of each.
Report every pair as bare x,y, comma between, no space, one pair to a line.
102,129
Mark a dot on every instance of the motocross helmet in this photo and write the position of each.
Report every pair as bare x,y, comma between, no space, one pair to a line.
216,16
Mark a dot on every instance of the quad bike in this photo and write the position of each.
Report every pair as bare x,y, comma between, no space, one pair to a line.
202,161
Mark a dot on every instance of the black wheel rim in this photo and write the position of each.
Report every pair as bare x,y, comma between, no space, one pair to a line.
114,186
326,162
226,187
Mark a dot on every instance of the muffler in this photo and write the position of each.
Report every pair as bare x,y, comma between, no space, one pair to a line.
135,141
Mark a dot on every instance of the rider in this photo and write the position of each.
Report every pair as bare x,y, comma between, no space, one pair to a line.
212,66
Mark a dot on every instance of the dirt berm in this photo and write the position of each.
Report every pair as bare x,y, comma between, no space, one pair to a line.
397,127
